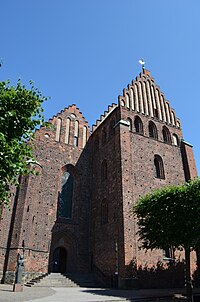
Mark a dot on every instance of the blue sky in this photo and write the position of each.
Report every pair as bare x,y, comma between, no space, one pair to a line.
87,51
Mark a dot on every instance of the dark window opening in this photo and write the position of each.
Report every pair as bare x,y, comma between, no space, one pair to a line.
66,196
166,135
138,125
158,167
153,130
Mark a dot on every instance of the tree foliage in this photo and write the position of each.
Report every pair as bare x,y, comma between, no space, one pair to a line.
20,114
170,216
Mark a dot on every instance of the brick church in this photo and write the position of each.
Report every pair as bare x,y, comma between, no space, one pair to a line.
75,216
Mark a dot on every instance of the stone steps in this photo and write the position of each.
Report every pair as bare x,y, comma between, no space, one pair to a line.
63,280
52,280
83,280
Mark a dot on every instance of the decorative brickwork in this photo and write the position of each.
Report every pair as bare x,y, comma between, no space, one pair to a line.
134,148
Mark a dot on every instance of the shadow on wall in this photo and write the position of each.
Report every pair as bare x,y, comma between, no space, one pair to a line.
170,275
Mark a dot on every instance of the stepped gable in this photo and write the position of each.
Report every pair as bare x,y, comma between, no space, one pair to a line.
72,109
68,122
104,116
144,96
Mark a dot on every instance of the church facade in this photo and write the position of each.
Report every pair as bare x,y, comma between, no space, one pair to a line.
75,216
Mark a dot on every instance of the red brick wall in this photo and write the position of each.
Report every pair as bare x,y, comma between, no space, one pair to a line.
35,220
138,177
106,236
188,161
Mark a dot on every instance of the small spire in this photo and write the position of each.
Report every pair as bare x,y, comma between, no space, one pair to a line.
142,62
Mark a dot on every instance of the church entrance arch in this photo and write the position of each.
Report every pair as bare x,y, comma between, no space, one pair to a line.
60,260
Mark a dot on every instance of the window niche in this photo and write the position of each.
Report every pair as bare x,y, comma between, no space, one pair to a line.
175,140
76,133
58,129
65,198
138,125
166,135
158,167
153,130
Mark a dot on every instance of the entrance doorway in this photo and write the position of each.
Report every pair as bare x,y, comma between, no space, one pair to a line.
60,260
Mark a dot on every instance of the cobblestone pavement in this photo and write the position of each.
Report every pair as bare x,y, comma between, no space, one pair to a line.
78,294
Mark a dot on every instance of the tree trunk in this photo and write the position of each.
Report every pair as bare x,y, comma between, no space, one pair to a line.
188,276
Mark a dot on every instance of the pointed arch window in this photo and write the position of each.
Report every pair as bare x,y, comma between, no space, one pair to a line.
76,133
166,135
66,196
104,211
153,132
158,167
84,135
67,133
58,129
138,125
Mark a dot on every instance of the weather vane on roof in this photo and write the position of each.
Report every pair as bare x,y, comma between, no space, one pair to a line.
142,62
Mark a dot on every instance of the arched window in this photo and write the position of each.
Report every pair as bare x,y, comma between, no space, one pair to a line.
166,135
67,133
76,133
175,140
138,125
111,128
104,136
58,129
104,172
130,123
158,167
84,135
127,101
153,130
66,196
104,212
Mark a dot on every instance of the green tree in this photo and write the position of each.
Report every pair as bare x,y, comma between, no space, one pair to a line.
20,114
171,217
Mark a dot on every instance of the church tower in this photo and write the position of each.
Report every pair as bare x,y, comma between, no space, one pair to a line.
137,147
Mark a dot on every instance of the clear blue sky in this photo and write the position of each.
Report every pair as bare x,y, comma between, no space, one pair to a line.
87,51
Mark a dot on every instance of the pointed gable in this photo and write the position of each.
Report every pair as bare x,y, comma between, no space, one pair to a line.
145,97
68,126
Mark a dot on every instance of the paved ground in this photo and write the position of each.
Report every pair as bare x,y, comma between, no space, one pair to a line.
77,294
